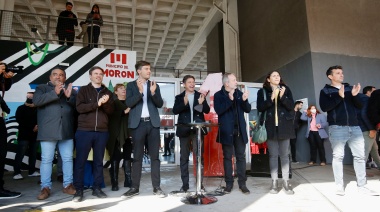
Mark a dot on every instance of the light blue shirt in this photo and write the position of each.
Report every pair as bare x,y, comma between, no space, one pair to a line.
145,111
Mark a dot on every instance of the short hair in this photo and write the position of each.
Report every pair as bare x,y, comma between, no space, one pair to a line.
185,78
368,88
140,64
58,67
298,102
329,70
69,3
225,77
93,68
117,86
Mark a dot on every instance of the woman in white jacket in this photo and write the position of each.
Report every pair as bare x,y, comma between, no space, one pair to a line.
316,133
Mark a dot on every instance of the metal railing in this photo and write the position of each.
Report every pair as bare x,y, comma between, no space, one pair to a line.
36,28
43,29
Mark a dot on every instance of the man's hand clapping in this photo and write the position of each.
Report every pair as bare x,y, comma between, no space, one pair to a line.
103,100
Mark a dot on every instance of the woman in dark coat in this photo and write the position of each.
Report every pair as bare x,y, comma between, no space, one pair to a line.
119,139
279,107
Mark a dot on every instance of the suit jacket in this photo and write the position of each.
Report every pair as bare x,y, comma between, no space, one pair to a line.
55,113
319,119
135,102
185,113
223,106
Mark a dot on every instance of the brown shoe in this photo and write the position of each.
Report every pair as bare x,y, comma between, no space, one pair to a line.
45,193
323,164
69,189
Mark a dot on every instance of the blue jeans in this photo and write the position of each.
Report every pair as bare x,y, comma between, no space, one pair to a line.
47,154
353,136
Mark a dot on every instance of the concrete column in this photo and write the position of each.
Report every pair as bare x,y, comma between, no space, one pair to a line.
231,38
6,18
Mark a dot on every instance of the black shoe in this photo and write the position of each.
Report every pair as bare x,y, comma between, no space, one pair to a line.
184,189
165,155
5,194
98,193
130,193
244,189
203,189
158,191
228,189
78,196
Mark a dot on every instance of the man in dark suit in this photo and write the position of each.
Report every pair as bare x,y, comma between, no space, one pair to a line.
190,106
144,97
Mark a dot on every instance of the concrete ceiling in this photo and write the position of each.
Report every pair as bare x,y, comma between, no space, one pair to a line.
170,34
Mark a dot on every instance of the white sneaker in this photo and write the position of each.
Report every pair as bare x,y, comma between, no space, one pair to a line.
339,191
367,191
18,177
35,174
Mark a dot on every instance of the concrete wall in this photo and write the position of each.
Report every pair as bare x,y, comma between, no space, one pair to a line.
348,27
302,39
215,49
272,33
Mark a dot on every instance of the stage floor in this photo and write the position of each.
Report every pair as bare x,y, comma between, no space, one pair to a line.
313,185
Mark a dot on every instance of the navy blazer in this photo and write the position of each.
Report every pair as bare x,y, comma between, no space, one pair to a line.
134,101
224,108
185,113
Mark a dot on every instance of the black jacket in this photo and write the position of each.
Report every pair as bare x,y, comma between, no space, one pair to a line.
26,118
340,111
373,110
91,116
226,115
364,123
184,113
66,24
297,119
285,112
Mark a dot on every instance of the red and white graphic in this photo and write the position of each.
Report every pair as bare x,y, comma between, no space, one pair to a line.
118,58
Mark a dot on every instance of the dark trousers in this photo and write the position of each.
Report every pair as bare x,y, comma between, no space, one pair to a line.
93,37
68,36
186,143
127,151
237,149
316,144
146,132
3,149
22,147
166,146
293,147
85,140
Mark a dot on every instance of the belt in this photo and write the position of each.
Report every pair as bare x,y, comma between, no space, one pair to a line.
145,119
